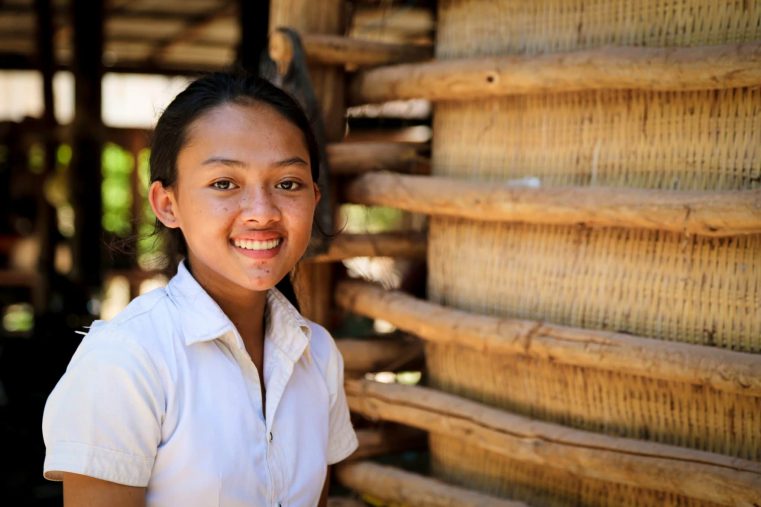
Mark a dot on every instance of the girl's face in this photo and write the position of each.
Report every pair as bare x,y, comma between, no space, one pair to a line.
244,198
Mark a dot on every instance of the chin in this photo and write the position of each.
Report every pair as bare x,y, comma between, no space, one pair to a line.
261,284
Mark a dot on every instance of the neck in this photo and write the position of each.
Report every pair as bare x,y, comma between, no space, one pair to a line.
243,307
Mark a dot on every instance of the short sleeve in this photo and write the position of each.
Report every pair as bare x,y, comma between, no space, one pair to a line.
103,419
342,439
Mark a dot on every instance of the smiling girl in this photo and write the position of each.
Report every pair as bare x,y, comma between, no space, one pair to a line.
214,390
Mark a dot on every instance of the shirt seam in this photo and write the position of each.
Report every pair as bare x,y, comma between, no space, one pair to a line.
86,445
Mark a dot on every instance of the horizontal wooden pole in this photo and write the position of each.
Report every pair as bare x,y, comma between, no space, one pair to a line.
406,488
17,277
340,501
717,214
725,370
697,474
417,135
410,245
377,354
362,157
337,50
613,68
388,439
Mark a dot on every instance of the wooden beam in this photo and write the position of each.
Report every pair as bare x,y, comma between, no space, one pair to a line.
340,501
388,439
18,278
377,354
385,244
394,485
671,469
47,231
196,24
416,134
725,370
253,19
85,169
393,22
664,69
717,214
358,158
338,50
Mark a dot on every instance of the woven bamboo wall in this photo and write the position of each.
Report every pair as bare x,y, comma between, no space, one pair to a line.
491,27
661,285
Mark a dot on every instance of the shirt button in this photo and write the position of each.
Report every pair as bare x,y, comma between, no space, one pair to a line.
270,438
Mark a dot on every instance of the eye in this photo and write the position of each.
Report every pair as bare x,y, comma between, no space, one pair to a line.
288,185
223,185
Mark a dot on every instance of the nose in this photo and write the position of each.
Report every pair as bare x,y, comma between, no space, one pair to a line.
258,205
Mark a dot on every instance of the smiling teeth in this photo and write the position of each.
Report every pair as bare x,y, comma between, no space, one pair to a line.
249,244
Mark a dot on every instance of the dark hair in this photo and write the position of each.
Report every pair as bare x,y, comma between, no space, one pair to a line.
202,95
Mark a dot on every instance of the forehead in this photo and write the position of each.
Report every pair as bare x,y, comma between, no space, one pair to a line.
246,127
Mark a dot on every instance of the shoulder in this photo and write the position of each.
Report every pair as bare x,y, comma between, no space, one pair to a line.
140,312
322,344
138,330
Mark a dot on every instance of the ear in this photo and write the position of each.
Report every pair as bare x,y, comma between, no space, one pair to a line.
317,194
163,204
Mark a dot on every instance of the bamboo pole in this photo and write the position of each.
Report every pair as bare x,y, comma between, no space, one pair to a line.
394,485
337,50
725,370
387,439
717,214
385,244
663,69
362,157
697,474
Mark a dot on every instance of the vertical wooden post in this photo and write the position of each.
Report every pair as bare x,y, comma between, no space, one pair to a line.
314,282
254,19
85,173
46,219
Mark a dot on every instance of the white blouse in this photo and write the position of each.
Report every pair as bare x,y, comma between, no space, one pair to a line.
166,396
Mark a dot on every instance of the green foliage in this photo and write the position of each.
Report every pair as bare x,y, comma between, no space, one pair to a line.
36,160
18,318
150,247
63,155
364,219
117,165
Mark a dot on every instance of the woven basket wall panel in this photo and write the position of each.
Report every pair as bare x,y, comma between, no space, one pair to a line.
707,140
453,461
603,401
660,285
493,27
649,283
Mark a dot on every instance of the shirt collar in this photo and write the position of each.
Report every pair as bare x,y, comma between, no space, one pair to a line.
203,320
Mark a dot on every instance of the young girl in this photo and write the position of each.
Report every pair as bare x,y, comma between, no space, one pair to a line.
214,391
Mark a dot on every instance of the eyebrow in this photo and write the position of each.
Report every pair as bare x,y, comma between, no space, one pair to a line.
230,162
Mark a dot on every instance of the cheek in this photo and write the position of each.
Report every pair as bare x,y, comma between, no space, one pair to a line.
301,216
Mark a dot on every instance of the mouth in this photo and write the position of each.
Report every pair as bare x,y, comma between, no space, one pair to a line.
256,245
